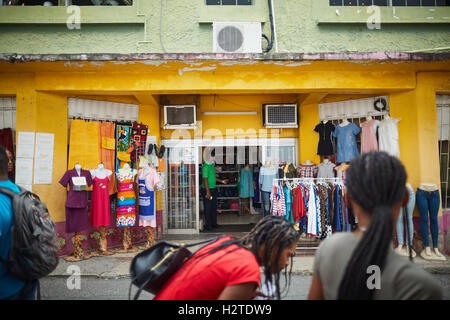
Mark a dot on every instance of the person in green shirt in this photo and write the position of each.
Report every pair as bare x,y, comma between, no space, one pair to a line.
209,192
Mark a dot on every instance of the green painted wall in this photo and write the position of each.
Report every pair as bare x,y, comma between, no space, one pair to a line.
301,26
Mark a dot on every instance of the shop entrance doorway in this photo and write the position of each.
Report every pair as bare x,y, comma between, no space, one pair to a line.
238,201
185,158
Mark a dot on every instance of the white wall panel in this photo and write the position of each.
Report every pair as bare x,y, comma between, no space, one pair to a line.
102,110
357,108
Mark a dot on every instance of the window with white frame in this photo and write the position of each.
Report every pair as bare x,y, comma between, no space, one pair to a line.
443,116
229,2
8,115
391,3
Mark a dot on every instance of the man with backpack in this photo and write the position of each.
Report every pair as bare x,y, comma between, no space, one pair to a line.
28,247
12,287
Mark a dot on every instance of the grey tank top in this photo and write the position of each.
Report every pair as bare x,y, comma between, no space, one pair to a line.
400,278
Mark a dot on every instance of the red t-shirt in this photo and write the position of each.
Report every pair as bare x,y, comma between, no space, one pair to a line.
206,277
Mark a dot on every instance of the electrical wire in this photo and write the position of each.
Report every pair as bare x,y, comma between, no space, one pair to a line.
272,31
160,26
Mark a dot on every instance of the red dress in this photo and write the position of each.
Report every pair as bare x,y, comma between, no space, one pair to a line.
100,207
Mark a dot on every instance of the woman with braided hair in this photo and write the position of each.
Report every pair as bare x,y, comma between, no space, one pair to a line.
362,265
229,268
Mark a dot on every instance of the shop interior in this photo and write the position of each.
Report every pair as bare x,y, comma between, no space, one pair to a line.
237,210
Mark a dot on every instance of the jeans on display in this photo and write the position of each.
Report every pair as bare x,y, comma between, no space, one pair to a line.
266,202
210,207
428,203
409,219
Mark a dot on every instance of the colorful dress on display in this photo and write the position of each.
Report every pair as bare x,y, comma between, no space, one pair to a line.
77,202
368,136
148,178
347,148
100,207
126,200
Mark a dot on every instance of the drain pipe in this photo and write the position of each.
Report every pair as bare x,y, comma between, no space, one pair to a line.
272,29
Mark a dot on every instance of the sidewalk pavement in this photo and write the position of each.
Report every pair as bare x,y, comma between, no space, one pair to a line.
117,266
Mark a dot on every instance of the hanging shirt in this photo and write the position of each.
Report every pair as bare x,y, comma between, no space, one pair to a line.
326,170
388,135
266,176
307,171
346,142
325,145
312,212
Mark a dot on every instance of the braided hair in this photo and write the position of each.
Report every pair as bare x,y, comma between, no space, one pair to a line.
273,234
376,182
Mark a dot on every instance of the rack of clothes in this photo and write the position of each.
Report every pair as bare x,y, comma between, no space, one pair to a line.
316,206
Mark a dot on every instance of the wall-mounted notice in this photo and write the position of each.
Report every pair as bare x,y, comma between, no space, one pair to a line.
43,158
24,161
25,145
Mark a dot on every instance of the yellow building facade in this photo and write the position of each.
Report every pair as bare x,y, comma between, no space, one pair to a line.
42,90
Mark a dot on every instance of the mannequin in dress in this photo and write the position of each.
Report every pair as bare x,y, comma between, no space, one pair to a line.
428,203
344,123
266,176
147,179
100,206
76,206
126,205
246,188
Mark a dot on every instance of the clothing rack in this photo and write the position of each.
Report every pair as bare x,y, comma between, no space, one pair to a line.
307,180
280,181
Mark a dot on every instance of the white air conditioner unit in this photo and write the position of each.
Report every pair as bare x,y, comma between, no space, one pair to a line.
180,117
237,37
280,116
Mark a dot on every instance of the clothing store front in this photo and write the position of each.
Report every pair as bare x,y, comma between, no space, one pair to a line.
184,206
324,88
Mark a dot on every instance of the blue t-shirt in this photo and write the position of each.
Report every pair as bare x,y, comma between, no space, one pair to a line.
346,142
9,284
266,176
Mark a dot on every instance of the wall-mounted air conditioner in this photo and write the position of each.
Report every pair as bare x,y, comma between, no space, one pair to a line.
237,37
180,117
280,115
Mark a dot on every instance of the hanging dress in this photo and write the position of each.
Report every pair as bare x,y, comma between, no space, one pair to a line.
126,200
368,136
147,204
100,208
77,202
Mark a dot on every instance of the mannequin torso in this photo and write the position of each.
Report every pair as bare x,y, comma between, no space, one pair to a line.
101,172
344,123
430,187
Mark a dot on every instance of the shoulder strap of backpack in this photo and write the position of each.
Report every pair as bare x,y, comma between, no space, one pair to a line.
8,192
210,240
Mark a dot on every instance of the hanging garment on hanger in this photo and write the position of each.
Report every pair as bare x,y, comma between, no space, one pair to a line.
325,145
368,136
347,148
388,135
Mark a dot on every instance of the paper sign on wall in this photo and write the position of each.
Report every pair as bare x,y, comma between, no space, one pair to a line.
24,161
43,163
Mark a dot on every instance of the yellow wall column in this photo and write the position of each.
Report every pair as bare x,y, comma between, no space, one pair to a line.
45,113
52,118
308,138
418,128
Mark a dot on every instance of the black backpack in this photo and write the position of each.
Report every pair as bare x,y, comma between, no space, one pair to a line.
33,252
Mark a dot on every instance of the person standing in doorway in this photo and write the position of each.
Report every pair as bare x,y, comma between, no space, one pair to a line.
209,191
